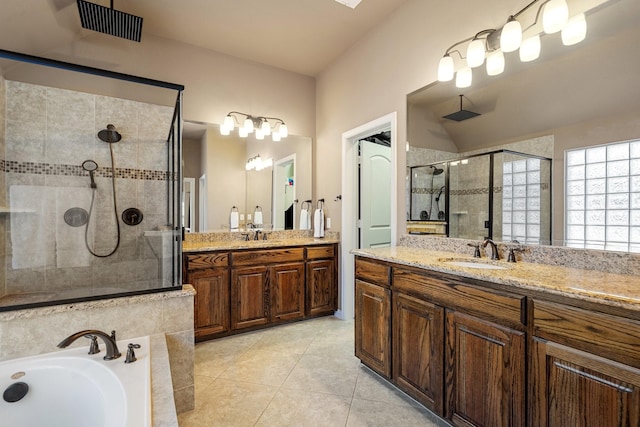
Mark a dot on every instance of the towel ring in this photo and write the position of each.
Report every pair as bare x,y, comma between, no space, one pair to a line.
258,208
234,209
320,204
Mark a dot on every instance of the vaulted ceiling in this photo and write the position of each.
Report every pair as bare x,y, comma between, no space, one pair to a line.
303,36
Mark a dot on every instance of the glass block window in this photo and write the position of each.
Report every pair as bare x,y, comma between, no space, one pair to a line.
521,200
602,197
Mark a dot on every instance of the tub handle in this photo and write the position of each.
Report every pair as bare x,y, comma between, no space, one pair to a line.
131,355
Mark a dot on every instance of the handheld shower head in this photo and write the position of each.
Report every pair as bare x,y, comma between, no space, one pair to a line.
90,166
110,134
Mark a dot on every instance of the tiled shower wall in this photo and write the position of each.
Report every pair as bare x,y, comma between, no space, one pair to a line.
49,133
3,192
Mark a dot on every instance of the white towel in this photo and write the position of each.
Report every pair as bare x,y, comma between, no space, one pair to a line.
257,218
318,223
305,219
234,220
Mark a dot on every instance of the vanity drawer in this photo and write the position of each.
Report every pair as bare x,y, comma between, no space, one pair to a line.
598,333
317,252
267,256
207,260
373,272
455,293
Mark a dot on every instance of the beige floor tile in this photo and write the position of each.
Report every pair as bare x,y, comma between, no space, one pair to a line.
371,386
286,340
261,367
228,403
297,408
324,375
368,413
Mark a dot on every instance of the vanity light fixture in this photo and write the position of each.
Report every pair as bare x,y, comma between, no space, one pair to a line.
256,163
491,44
262,126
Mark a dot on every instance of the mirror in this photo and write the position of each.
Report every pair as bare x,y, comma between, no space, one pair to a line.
570,97
276,191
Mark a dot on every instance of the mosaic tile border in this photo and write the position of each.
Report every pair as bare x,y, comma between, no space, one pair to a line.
77,170
469,192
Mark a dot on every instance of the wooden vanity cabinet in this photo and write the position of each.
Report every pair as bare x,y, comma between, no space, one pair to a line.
246,289
418,339
585,368
459,348
209,275
322,281
373,316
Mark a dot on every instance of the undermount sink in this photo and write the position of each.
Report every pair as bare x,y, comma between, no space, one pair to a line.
474,263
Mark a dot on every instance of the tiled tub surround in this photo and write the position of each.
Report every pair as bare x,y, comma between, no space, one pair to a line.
593,276
49,134
167,314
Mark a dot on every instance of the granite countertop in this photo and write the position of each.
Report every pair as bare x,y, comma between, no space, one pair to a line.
618,290
191,247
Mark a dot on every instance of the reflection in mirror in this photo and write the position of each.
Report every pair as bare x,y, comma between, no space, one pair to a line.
222,160
188,204
571,97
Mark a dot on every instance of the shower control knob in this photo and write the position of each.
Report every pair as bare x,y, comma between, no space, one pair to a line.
132,216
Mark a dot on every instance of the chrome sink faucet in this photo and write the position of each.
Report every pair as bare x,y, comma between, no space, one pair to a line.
494,248
109,341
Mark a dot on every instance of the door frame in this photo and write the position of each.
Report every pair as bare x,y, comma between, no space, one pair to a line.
349,230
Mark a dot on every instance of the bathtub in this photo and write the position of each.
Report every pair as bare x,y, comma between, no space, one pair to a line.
73,389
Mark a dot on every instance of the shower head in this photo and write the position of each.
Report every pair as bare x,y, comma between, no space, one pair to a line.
110,134
110,21
436,171
90,166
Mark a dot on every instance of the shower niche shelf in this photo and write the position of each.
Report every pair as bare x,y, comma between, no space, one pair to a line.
7,209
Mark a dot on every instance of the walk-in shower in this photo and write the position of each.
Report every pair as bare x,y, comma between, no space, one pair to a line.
503,195
81,166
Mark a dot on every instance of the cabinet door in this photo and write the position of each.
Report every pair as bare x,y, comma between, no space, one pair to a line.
321,287
287,291
249,297
484,371
418,349
211,303
373,327
575,388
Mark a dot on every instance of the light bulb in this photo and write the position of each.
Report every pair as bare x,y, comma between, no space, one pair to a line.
266,128
284,131
530,49
276,136
259,134
475,53
555,16
464,77
495,63
248,125
248,165
224,130
243,133
575,31
228,122
511,36
445,69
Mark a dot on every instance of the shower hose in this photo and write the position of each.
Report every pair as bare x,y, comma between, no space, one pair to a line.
115,211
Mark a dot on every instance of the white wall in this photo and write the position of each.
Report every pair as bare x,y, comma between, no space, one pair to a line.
373,78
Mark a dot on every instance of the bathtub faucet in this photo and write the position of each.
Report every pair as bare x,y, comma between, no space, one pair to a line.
109,341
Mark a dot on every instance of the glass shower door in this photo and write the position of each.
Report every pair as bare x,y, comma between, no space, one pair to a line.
469,198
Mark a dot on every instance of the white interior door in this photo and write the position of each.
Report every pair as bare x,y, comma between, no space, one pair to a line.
375,195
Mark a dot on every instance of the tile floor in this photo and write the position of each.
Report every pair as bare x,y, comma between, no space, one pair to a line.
301,374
